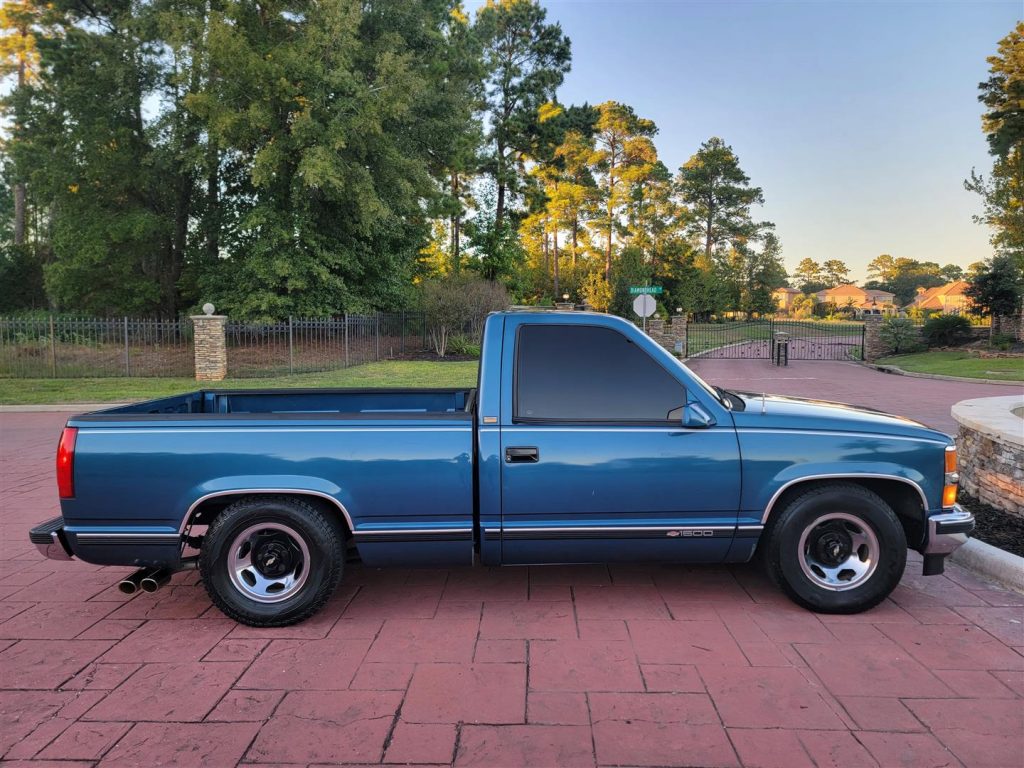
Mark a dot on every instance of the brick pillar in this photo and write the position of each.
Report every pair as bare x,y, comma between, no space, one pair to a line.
210,347
677,330
874,347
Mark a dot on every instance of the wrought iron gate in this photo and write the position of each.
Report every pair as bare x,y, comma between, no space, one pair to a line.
756,339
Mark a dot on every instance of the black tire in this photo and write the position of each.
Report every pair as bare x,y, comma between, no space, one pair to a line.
275,529
828,571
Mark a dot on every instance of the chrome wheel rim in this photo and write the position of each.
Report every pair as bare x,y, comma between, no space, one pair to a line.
268,562
838,551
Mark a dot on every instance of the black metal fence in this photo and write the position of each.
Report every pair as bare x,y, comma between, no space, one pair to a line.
304,345
753,339
76,347
73,347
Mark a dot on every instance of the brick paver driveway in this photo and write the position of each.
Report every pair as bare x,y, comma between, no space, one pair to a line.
641,665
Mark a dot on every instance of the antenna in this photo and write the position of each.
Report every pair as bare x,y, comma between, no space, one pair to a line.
763,395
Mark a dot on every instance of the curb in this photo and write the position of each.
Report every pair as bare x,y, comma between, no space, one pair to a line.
59,407
986,560
900,372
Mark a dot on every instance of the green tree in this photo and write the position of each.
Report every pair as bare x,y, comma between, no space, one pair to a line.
624,154
1002,193
1003,95
342,108
457,112
808,276
903,276
525,61
835,272
997,289
87,151
720,197
951,273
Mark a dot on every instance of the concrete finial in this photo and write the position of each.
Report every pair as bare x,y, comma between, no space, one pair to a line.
208,308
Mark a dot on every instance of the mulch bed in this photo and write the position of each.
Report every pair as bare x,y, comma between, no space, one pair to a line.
995,527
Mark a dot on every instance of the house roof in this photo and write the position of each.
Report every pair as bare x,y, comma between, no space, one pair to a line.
939,296
786,289
852,295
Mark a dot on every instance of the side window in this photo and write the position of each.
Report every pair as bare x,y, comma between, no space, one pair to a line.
586,373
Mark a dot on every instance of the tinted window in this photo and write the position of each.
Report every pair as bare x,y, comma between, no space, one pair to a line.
582,373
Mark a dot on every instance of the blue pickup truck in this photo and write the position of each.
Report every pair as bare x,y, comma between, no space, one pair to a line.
583,441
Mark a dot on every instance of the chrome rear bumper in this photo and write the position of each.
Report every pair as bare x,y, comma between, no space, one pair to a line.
50,541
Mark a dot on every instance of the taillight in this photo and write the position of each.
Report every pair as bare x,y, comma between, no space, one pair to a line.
66,463
950,478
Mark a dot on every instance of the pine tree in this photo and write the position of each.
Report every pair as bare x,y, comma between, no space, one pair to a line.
526,60
720,197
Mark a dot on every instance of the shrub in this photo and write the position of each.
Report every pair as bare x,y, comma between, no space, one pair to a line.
1003,341
899,335
458,305
460,344
945,330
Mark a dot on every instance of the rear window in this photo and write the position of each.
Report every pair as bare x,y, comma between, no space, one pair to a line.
586,373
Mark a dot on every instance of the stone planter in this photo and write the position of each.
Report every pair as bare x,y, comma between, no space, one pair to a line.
991,450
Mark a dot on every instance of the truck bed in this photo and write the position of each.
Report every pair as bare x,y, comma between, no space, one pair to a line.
348,402
397,464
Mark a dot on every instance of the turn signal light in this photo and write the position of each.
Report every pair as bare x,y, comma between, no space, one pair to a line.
948,495
951,478
66,463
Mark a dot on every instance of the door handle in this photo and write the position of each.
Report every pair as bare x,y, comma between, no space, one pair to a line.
522,455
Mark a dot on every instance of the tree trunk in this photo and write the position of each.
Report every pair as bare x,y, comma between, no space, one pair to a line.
611,208
212,204
554,256
575,238
544,250
19,187
456,222
499,213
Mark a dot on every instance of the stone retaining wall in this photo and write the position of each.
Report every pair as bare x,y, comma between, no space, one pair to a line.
991,450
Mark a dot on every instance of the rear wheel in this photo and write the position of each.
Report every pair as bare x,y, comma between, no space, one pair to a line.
836,549
271,561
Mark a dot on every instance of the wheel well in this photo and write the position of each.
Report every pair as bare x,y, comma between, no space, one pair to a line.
901,496
207,510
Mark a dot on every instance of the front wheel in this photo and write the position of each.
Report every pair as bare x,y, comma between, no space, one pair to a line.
836,549
271,561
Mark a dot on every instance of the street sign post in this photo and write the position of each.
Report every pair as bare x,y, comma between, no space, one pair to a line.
640,290
644,305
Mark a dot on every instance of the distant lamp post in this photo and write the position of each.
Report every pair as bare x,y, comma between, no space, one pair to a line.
565,297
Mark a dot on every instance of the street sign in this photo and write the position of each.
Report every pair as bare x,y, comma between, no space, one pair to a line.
644,305
640,290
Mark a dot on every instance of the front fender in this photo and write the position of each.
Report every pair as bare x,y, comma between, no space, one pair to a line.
774,461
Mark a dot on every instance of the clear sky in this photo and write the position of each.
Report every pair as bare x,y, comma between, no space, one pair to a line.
860,120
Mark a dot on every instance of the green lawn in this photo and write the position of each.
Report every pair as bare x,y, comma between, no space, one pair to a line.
414,373
960,363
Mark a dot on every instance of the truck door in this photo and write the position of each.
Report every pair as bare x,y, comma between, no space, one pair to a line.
597,465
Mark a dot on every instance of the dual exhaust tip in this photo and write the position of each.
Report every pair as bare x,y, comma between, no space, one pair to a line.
146,579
